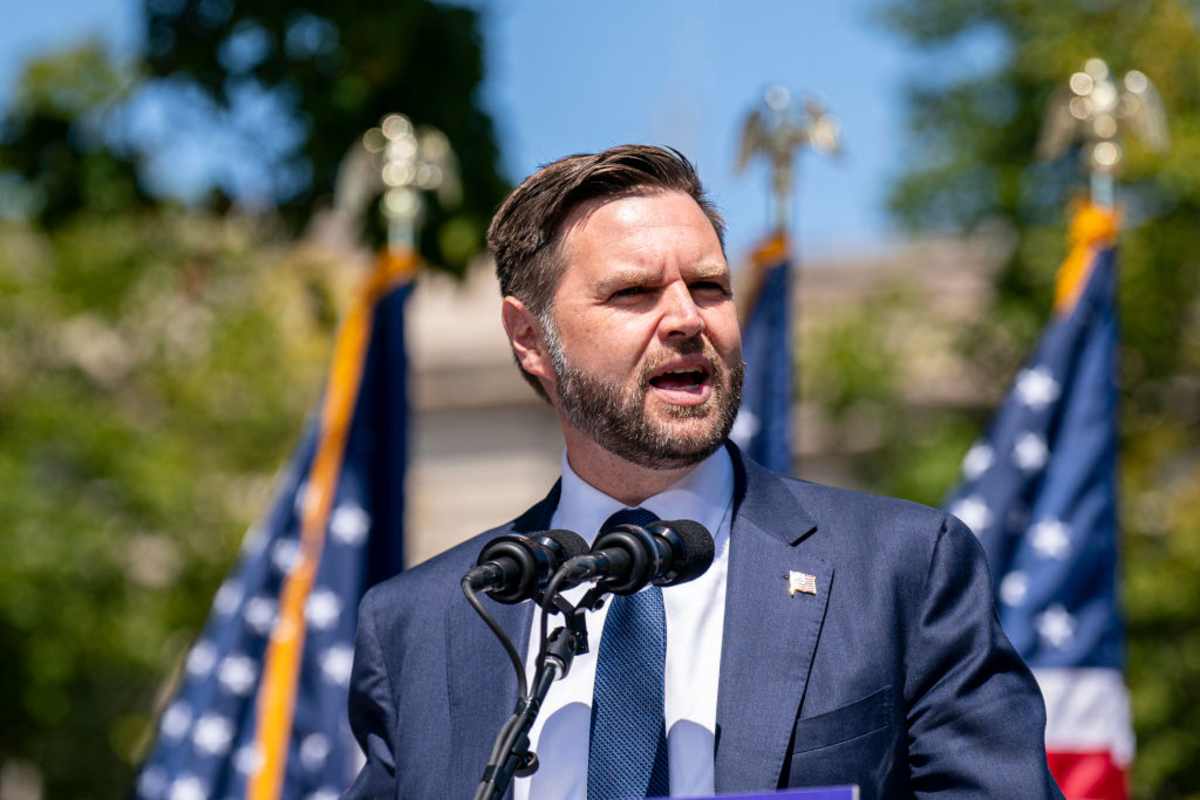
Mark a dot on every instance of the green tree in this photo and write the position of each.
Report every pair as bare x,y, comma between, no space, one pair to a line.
157,362
54,158
133,456
974,135
337,68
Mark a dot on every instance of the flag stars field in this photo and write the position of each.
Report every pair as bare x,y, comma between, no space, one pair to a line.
1056,626
745,426
285,555
1036,388
247,759
237,674
1030,452
974,513
188,787
1049,489
213,743
323,609
260,614
1013,588
1051,538
256,539
314,749
202,659
153,783
176,720
349,524
336,664
763,426
324,794
977,461
228,598
213,734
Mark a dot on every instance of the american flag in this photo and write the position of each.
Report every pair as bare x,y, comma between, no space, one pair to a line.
1040,492
260,707
763,428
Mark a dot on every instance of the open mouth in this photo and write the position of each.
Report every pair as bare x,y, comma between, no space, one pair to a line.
683,382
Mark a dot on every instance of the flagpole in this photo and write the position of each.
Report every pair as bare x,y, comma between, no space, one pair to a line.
1078,668
398,162
777,129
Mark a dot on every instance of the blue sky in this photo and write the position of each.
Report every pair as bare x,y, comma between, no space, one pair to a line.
567,77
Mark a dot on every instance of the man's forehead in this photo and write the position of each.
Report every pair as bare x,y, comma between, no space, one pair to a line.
630,206
643,232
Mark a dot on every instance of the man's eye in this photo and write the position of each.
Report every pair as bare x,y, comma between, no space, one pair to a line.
630,291
710,287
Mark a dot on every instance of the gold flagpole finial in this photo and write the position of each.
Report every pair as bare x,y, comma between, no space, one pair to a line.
400,162
1094,108
777,129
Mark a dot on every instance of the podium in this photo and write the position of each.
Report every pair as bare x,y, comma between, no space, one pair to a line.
815,793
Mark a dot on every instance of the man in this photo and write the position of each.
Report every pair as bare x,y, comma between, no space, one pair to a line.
837,638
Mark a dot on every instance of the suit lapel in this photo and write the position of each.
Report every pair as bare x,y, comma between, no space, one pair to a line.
770,635
482,686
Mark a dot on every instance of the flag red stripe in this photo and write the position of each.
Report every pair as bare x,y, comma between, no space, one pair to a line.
1088,775
1087,711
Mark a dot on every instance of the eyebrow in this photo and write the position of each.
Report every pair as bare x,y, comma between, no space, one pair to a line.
710,270
623,278
638,277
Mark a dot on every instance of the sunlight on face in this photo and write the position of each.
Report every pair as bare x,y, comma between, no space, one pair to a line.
644,339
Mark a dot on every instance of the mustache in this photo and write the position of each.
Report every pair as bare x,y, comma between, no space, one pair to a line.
688,347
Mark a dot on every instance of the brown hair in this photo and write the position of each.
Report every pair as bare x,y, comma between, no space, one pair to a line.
526,230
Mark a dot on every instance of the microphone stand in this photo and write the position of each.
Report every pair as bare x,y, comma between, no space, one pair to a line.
510,753
638,557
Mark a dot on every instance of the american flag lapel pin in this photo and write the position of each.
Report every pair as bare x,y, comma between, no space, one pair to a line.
801,582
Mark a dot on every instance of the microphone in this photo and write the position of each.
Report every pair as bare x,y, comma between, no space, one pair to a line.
513,567
628,557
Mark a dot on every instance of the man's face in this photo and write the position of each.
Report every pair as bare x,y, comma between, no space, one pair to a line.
644,339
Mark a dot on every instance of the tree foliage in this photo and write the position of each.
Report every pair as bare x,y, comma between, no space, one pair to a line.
974,132
54,158
156,361
337,69
133,452
286,91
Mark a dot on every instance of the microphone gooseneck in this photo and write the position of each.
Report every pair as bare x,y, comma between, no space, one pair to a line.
515,567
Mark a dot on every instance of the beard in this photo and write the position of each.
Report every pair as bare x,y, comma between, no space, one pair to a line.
615,415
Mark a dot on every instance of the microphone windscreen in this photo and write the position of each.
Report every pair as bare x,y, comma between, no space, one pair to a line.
697,546
572,543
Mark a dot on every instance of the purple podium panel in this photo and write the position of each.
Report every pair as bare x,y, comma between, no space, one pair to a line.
815,793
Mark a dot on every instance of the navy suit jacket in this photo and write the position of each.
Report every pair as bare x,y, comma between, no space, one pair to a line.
894,676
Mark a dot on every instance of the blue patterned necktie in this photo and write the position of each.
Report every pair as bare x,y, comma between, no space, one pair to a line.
627,754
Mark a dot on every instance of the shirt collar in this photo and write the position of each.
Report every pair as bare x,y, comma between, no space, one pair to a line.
703,495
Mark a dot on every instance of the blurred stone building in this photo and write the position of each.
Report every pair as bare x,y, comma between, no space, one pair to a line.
484,447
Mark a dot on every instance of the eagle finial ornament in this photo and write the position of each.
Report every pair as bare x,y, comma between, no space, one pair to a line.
1094,108
777,129
398,161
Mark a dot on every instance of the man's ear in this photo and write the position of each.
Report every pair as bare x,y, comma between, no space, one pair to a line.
522,328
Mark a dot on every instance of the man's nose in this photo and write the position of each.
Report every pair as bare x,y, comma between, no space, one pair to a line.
681,317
